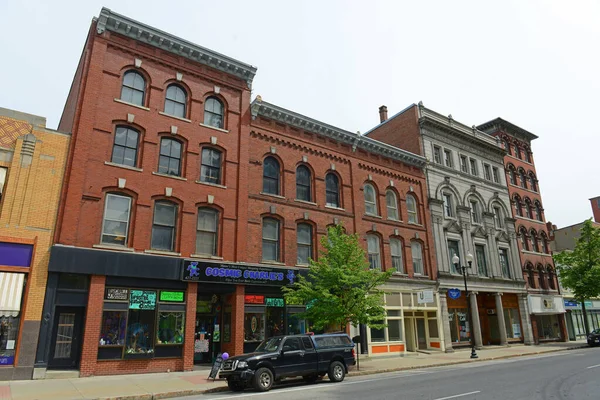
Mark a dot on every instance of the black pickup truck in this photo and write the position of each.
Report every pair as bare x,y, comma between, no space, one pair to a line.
309,356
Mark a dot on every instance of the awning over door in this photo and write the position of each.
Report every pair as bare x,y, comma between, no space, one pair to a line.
11,290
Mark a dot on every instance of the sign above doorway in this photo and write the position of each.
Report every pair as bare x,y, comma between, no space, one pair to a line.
454,293
198,271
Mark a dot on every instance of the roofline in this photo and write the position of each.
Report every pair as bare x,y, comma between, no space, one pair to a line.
389,119
499,122
111,21
472,133
356,140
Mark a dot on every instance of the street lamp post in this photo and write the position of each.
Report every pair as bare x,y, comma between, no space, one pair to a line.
456,261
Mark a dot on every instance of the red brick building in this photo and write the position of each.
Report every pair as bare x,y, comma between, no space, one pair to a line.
184,207
545,302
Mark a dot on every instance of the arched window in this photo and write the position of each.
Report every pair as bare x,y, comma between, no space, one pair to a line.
210,166
417,257
511,175
270,240
206,231
213,112
303,179
507,146
169,161
518,206
530,276
304,242
374,251
538,211
533,182
271,171
370,199
125,148
411,209
175,101
133,89
523,179
332,190
397,259
163,226
523,237
475,212
517,152
528,210
498,217
551,282
528,155
545,247
115,223
391,202
541,278
535,246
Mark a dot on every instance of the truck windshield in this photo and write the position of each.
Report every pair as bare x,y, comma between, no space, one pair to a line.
269,345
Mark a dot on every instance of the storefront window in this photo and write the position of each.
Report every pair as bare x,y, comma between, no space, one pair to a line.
395,330
513,325
548,327
459,325
432,325
378,335
171,328
114,324
296,325
138,323
140,330
9,328
274,321
254,326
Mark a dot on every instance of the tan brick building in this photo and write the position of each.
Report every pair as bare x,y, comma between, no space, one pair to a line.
32,162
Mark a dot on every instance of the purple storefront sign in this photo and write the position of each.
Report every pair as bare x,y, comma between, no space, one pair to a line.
7,360
15,255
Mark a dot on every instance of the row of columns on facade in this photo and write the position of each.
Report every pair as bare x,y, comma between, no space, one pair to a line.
475,329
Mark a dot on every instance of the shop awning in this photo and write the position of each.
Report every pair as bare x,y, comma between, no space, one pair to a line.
11,290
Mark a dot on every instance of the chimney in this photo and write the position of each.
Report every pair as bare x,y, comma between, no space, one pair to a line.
382,113
596,208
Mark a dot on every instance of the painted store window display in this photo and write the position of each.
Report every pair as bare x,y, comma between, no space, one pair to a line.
139,323
459,325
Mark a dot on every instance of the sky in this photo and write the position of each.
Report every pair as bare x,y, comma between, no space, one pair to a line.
533,63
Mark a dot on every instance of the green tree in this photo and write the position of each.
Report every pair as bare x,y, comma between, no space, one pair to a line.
340,289
579,269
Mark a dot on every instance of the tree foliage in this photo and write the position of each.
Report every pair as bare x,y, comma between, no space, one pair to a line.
579,269
340,289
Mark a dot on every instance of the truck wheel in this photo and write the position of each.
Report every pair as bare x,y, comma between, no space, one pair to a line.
336,372
263,379
310,378
235,386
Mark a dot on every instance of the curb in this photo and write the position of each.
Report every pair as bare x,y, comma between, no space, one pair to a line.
385,370
195,392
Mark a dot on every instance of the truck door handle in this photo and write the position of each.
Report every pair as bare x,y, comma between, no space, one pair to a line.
301,354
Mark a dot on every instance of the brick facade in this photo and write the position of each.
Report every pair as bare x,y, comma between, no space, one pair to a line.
530,219
33,158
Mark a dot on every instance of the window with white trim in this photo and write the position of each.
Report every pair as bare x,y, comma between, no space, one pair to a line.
448,207
370,199
396,250
304,244
206,231
437,154
115,223
448,158
374,251
417,257
411,209
163,226
392,204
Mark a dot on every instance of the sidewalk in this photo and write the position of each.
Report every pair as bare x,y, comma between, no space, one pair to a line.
177,384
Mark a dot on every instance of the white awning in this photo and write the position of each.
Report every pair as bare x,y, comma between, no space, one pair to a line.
11,290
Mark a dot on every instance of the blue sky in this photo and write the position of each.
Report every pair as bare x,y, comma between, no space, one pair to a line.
533,63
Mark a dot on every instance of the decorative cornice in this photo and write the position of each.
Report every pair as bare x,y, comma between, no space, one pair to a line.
381,171
356,140
287,143
499,124
431,119
135,30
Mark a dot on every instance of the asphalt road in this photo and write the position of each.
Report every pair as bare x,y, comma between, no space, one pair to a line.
563,375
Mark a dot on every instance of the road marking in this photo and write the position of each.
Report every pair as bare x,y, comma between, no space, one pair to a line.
324,385
458,395
593,366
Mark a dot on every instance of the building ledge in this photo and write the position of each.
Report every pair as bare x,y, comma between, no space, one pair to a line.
214,128
131,104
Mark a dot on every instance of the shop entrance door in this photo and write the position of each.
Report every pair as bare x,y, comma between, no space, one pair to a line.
204,350
421,334
411,342
66,338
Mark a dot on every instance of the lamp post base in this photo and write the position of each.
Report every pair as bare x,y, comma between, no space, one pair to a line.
473,353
